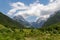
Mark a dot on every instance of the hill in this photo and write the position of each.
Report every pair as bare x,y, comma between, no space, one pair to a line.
8,22
53,23
53,19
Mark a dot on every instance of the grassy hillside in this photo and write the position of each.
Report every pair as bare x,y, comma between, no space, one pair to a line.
8,22
53,24
53,19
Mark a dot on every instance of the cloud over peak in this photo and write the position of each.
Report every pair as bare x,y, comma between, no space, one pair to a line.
34,9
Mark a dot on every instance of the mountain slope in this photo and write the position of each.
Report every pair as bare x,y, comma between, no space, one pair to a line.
8,22
21,20
53,23
37,24
53,19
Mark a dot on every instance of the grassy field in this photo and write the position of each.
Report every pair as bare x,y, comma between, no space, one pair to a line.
26,34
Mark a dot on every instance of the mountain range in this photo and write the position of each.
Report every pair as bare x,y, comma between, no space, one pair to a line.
20,22
36,24
39,23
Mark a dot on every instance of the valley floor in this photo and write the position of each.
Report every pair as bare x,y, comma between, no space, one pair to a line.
26,34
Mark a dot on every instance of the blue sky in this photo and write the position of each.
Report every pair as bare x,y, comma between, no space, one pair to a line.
5,7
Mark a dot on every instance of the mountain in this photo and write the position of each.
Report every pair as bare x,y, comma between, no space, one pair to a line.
8,22
53,23
53,19
38,23
21,20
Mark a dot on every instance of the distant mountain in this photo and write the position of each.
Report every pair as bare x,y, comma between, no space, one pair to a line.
8,22
54,19
38,23
21,20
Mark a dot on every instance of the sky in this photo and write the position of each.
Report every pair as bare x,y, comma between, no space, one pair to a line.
30,10
5,4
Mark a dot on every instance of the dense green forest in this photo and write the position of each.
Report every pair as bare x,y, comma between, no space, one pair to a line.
12,30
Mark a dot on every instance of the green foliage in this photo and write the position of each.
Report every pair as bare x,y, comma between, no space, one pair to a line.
53,19
52,25
8,22
26,34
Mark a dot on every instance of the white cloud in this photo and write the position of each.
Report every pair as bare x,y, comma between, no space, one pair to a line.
35,9
52,0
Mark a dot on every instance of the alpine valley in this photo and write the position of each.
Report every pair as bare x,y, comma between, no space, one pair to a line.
17,28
